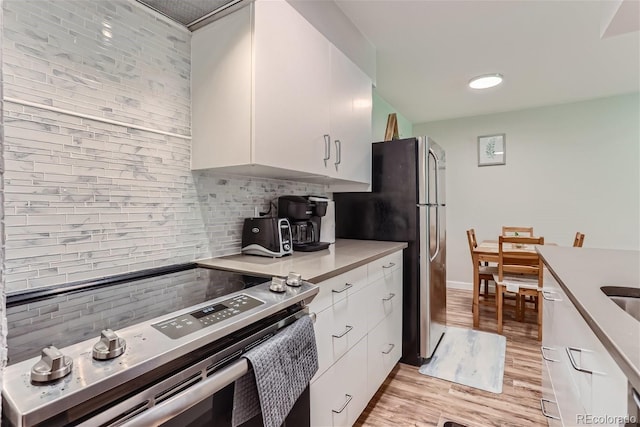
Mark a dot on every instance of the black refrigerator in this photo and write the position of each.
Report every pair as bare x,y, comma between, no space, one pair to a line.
407,204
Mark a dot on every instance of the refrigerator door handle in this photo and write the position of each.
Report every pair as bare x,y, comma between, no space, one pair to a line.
437,202
437,172
435,254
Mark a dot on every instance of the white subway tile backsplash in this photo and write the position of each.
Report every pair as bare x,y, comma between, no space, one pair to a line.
86,198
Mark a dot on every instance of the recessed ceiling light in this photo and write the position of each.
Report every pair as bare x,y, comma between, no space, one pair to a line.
486,81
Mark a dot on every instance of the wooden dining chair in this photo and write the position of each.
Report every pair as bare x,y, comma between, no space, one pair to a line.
517,231
485,271
519,272
578,240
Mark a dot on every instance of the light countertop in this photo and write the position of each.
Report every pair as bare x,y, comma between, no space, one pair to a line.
581,272
314,267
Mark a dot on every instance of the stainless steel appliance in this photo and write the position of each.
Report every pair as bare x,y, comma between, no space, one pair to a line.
176,368
267,236
407,203
304,214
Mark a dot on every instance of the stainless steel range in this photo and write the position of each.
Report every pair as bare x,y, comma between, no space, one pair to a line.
171,369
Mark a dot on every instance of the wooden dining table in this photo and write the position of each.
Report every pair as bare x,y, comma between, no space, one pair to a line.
487,250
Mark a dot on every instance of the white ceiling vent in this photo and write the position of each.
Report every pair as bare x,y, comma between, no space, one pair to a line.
193,13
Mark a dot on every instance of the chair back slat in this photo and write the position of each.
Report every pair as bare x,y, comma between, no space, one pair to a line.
512,260
510,231
471,238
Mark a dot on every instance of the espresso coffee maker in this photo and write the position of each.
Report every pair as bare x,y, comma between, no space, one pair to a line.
304,213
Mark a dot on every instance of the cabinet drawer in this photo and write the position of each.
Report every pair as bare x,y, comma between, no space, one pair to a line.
338,328
384,350
337,288
550,409
564,389
383,298
339,395
609,384
385,265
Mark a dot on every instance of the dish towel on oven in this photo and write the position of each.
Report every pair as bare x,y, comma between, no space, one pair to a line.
282,368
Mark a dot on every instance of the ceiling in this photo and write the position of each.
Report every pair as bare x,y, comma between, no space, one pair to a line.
191,13
550,52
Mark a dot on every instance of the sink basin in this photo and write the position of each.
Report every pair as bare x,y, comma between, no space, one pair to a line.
627,299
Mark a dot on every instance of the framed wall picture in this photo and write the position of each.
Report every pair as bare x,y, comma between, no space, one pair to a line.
492,150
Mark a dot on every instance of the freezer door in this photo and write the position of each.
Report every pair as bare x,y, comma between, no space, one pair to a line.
433,292
432,246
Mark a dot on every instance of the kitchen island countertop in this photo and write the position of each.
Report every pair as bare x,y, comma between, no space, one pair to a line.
314,267
581,272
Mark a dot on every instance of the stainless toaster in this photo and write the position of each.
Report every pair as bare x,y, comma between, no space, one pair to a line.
267,236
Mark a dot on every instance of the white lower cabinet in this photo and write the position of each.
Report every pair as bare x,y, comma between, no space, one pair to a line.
358,331
384,350
340,394
585,380
338,328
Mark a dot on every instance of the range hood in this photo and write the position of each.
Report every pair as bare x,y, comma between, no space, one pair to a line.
193,14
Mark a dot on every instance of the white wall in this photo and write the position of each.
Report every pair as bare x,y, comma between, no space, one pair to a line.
572,167
380,114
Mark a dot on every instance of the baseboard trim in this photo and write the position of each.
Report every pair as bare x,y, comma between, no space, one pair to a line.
460,285
467,286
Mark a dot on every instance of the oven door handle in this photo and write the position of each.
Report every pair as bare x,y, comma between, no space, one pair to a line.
190,397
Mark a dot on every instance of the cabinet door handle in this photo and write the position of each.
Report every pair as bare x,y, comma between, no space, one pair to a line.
548,298
573,361
389,297
344,405
327,148
391,264
313,317
636,397
338,153
391,347
542,349
544,411
346,331
346,286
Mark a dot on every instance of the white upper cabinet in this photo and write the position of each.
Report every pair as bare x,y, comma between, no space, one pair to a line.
350,120
291,89
271,96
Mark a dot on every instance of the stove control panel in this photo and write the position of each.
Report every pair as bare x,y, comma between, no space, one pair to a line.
181,326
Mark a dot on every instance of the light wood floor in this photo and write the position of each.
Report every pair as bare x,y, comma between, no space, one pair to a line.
408,398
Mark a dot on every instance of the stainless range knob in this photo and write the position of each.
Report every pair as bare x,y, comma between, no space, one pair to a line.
294,279
278,284
53,365
110,346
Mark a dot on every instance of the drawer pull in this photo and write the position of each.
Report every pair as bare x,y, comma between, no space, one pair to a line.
346,331
391,264
389,297
346,286
391,347
344,405
545,295
313,316
548,359
573,361
544,412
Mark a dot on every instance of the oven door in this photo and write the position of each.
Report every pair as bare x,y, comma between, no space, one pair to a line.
197,395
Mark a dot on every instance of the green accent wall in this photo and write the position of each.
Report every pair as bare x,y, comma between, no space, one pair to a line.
381,110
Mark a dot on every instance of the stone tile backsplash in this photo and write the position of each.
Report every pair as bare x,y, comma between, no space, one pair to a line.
112,59
85,198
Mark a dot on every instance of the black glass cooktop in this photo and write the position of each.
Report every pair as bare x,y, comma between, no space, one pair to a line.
70,314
